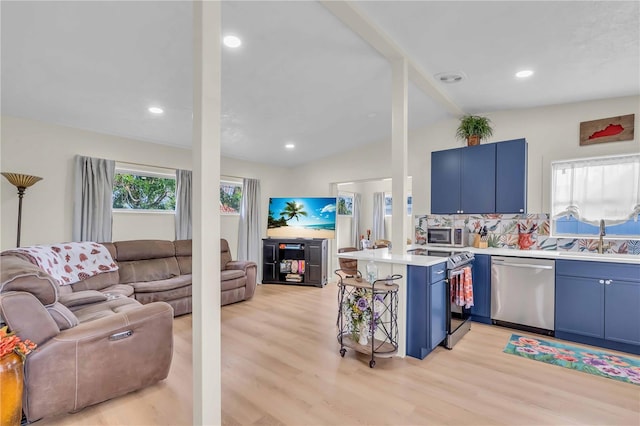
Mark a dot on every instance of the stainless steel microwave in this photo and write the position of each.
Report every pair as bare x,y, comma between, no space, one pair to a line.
447,236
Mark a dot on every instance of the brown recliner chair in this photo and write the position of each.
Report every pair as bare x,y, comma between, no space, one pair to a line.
94,348
238,278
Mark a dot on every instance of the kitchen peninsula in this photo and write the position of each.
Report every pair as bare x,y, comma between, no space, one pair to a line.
417,271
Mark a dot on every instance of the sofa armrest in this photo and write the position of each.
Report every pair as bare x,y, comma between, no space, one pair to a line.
80,298
241,264
251,270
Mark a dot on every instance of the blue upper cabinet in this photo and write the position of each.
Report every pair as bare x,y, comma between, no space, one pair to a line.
489,178
511,176
477,188
445,181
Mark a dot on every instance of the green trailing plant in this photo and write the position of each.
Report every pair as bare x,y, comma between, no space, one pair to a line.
471,125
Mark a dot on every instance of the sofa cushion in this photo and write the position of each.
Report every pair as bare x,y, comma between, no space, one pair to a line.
162,285
105,309
148,270
125,290
25,315
97,282
183,255
164,296
144,249
18,274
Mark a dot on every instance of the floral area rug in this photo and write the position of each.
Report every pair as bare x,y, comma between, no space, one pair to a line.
621,368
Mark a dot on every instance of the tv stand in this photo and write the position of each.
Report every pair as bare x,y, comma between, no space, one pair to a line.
299,261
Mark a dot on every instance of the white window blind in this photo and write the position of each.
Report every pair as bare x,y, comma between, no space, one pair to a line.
597,188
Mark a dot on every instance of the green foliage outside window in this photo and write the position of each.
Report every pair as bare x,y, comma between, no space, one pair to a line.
230,197
138,192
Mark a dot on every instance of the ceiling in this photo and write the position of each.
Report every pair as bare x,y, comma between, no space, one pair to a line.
302,75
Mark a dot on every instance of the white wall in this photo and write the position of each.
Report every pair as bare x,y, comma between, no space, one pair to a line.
48,151
551,132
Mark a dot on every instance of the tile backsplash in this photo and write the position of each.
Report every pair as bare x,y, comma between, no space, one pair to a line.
503,231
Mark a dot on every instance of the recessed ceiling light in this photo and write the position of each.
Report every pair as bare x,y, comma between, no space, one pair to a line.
450,77
289,146
232,41
156,110
524,73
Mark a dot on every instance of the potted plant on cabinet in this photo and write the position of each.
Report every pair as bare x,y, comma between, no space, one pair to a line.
473,128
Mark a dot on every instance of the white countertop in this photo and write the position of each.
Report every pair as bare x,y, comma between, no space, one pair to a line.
382,255
544,254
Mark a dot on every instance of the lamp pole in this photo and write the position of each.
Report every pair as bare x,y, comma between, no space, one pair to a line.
20,195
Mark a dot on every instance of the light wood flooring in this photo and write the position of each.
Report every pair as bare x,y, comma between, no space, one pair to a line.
281,366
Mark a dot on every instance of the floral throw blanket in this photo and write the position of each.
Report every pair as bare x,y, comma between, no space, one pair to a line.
69,263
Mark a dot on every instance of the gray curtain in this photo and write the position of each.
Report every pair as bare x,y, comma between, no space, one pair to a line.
92,212
355,223
378,216
183,204
249,228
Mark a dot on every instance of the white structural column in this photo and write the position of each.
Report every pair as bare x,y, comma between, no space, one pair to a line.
206,213
399,184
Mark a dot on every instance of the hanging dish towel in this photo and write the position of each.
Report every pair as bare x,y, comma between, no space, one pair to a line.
467,287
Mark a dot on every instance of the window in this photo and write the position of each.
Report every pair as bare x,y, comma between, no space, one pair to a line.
230,197
388,204
143,190
345,204
586,191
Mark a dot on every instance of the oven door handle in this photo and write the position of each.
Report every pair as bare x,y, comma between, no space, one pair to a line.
523,265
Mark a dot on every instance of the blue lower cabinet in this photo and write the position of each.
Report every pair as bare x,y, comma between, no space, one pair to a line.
622,312
417,311
481,275
579,306
598,303
426,314
438,315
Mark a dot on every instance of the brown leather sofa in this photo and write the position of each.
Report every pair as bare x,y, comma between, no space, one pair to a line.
237,278
94,347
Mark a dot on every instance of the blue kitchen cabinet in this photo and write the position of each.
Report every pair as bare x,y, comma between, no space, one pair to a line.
445,181
426,309
438,314
598,303
511,176
489,178
481,275
579,306
622,311
478,181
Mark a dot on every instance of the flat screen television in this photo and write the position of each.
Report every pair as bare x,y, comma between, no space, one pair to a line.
302,217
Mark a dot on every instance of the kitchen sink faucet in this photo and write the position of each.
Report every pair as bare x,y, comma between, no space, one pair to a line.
601,245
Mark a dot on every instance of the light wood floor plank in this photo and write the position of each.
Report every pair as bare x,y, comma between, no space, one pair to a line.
281,366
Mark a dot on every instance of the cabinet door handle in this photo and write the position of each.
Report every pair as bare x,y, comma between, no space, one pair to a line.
607,282
521,210
439,272
601,281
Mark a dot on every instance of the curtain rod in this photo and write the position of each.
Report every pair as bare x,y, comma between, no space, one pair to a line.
169,168
144,165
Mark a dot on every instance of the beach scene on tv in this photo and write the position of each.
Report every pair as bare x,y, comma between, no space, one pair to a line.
303,217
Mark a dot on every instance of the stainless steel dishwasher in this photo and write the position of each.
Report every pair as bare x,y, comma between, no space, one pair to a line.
522,293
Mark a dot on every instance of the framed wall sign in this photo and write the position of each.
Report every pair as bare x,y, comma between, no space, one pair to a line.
612,129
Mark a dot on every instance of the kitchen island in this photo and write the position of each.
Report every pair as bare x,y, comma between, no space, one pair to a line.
410,266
